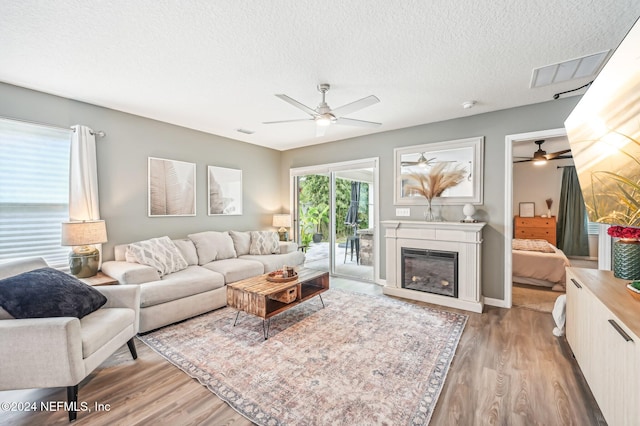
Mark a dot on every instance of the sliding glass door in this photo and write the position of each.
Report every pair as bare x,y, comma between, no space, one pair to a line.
335,212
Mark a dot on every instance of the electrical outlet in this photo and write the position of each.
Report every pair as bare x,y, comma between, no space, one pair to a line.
403,212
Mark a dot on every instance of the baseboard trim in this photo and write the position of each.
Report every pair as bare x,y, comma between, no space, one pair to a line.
499,303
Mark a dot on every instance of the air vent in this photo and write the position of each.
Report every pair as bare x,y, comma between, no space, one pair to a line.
587,66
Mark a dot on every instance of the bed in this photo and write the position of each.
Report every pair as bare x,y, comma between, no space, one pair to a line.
537,262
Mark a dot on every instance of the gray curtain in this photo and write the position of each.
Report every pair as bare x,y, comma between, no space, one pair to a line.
572,216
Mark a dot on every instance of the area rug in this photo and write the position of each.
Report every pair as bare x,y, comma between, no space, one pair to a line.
360,360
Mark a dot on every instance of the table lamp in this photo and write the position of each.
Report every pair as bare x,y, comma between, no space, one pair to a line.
283,221
84,260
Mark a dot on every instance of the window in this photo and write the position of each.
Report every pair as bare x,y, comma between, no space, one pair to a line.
34,191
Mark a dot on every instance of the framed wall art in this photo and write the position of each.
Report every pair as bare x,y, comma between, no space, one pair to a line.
462,154
171,188
225,191
527,209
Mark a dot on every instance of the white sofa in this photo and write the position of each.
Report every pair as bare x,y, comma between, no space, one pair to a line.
214,259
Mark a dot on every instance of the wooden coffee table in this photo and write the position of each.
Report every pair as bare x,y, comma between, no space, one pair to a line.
264,299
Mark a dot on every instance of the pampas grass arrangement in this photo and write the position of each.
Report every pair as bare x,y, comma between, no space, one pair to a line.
433,183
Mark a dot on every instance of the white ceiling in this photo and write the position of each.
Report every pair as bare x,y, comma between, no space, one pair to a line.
215,66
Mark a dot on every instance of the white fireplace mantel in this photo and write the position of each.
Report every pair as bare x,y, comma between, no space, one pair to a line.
463,238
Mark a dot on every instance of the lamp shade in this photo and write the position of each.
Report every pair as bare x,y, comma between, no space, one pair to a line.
83,233
282,220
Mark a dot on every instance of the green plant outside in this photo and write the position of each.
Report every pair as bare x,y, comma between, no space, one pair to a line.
314,200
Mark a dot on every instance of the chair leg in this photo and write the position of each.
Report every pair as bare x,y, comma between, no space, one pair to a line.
72,399
132,348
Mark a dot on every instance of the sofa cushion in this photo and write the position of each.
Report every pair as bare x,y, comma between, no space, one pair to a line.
160,253
46,293
188,282
264,242
188,250
212,245
241,242
274,262
236,269
103,325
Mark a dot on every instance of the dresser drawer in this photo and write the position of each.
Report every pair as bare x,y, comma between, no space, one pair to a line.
535,222
535,233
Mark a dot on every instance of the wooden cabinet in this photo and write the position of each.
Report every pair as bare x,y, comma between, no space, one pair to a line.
535,228
603,326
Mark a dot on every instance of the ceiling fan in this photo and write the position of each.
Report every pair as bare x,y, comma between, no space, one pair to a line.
423,161
324,116
541,156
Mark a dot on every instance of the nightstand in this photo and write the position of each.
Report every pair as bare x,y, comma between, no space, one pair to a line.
99,279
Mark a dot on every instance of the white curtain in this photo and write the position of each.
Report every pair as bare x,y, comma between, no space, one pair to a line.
83,176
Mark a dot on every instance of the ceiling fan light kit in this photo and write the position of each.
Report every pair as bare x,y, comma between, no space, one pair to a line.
324,116
540,157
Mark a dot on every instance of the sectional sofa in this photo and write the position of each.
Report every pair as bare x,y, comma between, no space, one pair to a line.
179,284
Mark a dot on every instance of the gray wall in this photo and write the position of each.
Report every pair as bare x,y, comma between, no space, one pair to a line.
493,126
122,166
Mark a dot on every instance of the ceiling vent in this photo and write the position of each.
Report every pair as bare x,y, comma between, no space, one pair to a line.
586,66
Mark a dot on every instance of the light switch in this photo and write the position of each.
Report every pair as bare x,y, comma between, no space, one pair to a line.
403,212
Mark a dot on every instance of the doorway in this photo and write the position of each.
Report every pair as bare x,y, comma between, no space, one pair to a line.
513,144
335,212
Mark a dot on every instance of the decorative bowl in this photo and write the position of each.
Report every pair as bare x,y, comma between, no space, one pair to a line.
276,277
634,291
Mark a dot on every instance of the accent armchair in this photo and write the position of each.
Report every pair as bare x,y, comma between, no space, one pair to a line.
62,351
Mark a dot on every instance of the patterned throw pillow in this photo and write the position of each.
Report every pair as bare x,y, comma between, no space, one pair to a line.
159,253
264,242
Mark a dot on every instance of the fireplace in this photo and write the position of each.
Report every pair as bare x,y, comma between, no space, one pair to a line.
431,271
454,250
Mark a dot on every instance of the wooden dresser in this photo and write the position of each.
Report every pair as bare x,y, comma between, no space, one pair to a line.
535,228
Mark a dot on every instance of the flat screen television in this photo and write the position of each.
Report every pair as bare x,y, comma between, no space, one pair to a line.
604,135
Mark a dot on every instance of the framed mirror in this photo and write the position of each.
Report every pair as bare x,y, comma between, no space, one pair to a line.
462,154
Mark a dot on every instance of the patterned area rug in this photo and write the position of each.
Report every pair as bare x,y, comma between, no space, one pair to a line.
361,360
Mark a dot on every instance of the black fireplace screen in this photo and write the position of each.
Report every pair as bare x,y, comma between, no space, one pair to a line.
431,271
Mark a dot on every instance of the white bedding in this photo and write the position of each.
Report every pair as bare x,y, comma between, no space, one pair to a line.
538,268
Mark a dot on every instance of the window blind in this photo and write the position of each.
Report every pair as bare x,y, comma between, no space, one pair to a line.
34,191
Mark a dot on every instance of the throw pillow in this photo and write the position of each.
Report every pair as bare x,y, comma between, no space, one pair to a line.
264,242
241,242
47,292
188,250
212,245
159,253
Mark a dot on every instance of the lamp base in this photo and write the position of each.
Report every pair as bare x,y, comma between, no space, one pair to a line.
84,261
283,233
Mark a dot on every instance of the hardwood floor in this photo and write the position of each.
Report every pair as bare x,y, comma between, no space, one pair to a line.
508,370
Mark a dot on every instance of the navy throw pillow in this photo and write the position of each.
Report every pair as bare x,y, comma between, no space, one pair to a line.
47,292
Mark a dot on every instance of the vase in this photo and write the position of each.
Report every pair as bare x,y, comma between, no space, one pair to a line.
626,259
428,213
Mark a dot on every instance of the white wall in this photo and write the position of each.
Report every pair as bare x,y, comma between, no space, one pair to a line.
535,184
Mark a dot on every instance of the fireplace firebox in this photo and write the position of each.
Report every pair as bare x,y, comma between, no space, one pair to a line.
430,271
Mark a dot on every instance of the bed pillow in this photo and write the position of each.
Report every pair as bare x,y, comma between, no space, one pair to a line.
542,246
241,242
160,253
264,242
46,293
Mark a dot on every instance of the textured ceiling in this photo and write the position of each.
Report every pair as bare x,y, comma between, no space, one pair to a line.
215,66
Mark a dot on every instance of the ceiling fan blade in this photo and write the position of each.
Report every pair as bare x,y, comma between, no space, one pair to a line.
287,121
298,105
357,123
523,161
555,155
355,106
320,130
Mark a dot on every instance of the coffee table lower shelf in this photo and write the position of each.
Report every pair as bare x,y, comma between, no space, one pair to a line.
265,299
